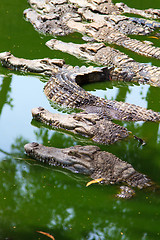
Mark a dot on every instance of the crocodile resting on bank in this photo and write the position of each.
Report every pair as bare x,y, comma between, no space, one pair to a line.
90,160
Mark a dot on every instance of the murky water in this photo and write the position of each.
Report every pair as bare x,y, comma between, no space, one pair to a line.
36,197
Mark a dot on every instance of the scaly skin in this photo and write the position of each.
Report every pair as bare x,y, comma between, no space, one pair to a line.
47,66
112,36
107,25
90,160
66,92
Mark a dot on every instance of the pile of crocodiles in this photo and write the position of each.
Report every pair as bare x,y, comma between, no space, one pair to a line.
99,21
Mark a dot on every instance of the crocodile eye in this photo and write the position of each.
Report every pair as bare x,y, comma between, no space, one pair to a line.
34,144
41,109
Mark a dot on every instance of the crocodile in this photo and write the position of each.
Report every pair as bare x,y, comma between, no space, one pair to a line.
104,25
45,66
64,88
122,67
90,160
53,18
111,28
48,24
96,128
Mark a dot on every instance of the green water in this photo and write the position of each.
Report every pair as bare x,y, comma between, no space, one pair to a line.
35,197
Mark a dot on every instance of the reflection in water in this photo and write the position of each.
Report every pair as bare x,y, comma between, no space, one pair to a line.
122,92
52,138
5,90
33,198
65,219
111,231
153,100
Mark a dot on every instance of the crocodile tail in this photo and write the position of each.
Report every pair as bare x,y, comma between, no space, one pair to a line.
132,112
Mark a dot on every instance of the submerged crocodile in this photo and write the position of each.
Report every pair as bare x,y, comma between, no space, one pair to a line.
90,160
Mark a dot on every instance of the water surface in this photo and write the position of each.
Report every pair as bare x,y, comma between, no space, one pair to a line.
35,197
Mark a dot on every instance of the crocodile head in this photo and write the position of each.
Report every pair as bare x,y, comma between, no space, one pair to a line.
78,159
89,160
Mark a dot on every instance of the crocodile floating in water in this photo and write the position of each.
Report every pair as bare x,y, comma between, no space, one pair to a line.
95,122
123,67
97,128
90,160
62,88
